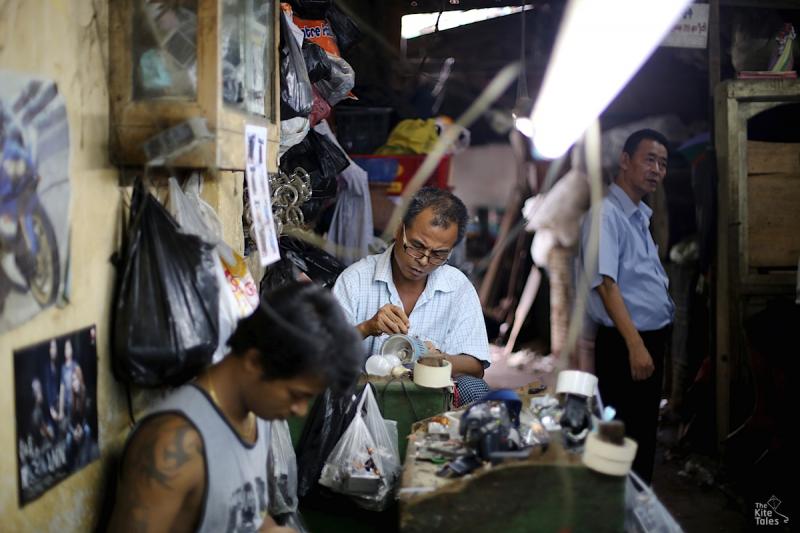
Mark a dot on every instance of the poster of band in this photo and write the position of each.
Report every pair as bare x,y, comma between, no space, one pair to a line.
56,402
34,196
260,198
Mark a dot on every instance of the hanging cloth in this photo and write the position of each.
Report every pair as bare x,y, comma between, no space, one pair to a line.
351,227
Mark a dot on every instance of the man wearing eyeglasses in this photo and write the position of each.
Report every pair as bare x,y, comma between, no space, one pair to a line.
409,289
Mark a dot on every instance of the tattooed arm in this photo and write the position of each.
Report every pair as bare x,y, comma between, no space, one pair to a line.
162,478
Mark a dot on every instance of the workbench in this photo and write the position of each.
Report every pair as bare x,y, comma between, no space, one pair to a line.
550,491
401,400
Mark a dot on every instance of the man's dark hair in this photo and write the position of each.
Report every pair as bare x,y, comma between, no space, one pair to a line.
632,143
447,209
298,329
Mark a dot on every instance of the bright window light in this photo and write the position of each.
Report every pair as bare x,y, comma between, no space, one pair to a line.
425,23
600,46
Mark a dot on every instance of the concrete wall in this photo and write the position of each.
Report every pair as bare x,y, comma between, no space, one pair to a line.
67,41
484,175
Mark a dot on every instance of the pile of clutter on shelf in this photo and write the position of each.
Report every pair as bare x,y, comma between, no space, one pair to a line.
315,173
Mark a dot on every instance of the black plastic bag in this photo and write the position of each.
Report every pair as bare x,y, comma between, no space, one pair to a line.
318,65
310,9
297,256
278,274
326,421
166,310
346,31
296,92
322,159
322,267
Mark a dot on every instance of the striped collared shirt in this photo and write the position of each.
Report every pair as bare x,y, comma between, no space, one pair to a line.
447,313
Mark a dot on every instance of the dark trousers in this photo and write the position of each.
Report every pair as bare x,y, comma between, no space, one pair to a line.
636,402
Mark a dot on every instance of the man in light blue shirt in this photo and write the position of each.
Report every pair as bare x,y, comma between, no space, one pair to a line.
409,289
629,300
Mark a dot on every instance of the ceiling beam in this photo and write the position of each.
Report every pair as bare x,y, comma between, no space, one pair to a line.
434,6
764,4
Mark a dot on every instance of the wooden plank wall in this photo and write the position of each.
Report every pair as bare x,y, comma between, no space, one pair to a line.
773,191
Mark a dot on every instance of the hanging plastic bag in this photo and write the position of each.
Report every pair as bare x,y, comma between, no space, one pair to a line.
293,131
166,314
318,31
346,31
318,156
238,294
365,463
327,420
281,470
341,81
317,63
313,9
241,284
296,95
319,110
644,512
192,214
323,161
320,266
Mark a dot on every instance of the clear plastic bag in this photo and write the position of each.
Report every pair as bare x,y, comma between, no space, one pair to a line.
644,513
328,419
196,217
365,464
282,470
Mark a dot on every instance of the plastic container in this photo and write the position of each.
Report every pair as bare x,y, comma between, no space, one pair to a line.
398,170
361,130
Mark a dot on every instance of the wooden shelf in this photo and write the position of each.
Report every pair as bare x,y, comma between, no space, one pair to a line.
136,118
757,220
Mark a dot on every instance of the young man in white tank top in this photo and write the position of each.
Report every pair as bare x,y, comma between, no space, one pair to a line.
197,461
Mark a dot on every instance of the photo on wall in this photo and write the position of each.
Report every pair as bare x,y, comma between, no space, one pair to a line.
55,385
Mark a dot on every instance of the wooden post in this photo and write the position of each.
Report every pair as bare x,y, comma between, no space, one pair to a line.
562,292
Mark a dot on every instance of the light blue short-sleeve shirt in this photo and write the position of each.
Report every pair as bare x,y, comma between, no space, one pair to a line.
448,312
628,255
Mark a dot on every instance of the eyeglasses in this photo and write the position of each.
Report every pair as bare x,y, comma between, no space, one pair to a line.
435,257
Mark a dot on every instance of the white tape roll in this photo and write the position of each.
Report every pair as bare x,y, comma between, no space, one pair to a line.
433,376
576,382
608,458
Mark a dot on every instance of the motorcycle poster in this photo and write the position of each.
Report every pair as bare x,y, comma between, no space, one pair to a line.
34,196
55,385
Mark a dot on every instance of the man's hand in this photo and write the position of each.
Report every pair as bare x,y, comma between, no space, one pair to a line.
433,351
641,362
389,319
462,364
640,359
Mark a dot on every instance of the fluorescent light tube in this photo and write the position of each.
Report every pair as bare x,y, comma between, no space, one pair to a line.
600,46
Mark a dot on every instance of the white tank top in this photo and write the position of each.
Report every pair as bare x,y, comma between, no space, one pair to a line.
236,475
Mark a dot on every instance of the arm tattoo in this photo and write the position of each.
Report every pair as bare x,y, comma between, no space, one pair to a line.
177,452
147,469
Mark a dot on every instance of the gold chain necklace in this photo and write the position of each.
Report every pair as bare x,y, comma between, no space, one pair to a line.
251,417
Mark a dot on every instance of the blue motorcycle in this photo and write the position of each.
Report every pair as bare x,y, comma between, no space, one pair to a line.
29,259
